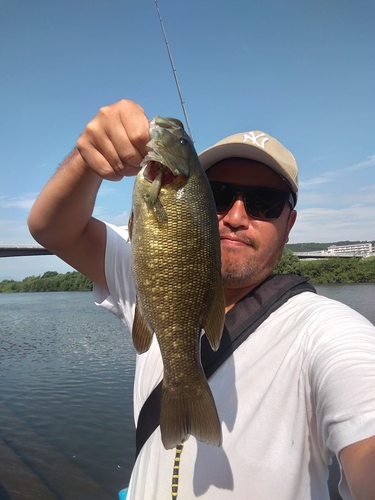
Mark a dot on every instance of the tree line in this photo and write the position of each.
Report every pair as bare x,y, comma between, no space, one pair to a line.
50,281
332,270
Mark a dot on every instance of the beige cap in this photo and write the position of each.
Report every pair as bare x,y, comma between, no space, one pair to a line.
255,145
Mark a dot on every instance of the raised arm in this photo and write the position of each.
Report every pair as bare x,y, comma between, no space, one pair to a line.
111,147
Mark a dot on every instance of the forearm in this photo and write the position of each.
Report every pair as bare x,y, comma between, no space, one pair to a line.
64,208
111,147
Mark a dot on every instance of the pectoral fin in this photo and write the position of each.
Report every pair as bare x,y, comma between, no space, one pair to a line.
130,225
141,332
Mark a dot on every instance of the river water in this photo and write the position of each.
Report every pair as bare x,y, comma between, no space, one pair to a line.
66,418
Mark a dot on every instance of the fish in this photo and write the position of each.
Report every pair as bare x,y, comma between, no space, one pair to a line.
176,263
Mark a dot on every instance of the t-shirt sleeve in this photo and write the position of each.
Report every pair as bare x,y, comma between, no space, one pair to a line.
342,377
119,299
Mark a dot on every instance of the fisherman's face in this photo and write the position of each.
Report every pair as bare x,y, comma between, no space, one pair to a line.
250,248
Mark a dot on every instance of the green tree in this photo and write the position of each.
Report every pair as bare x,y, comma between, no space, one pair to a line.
50,281
288,264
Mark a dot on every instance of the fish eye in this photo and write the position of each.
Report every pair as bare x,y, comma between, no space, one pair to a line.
183,141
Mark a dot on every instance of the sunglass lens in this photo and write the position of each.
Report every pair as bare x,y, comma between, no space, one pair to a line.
264,204
223,196
260,203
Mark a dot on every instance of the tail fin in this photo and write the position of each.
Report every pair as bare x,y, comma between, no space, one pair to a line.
192,411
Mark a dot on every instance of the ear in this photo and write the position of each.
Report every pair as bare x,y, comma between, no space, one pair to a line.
291,221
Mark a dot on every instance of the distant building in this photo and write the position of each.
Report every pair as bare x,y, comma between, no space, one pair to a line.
356,250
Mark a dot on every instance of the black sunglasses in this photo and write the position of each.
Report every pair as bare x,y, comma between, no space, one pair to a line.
260,202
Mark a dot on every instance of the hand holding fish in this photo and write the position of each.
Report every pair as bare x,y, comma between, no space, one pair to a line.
114,143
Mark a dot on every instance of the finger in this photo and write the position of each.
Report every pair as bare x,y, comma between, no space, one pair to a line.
121,153
119,133
136,124
126,126
102,159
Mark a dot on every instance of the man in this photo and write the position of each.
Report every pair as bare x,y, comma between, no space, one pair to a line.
298,390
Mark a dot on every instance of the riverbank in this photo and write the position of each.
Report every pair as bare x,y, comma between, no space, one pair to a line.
326,271
50,281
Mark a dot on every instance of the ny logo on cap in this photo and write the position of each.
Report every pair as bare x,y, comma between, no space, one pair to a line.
250,136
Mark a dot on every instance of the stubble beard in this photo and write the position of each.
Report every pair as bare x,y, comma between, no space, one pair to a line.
251,270
239,276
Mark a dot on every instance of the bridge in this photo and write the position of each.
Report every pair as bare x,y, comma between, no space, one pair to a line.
30,250
318,256
22,250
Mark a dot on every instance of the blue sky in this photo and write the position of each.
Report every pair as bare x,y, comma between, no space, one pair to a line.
302,71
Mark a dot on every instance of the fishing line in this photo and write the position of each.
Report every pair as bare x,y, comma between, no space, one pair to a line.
174,70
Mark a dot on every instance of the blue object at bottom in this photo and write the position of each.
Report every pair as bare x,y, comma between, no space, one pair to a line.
123,494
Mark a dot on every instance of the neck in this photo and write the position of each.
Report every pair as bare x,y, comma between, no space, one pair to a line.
233,295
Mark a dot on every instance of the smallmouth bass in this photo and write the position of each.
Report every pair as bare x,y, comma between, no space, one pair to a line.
177,272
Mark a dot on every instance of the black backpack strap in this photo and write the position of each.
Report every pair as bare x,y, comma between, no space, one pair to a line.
243,319
249,313
148,419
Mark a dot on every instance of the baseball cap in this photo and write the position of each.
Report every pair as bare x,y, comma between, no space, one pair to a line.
258,146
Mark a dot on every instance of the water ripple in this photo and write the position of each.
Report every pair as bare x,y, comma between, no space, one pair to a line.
67,371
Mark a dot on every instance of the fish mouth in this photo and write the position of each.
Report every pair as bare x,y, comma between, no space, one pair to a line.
156,170
160,168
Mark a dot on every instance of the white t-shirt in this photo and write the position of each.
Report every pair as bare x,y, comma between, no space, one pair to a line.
298,390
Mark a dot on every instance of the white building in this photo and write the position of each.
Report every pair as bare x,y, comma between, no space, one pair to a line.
357,249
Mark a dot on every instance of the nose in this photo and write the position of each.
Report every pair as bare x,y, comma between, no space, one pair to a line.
236,216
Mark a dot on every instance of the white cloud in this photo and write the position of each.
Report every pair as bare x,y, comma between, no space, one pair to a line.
100,212
106,190
323,157
22,202
329,225
332,175
362,196
328,176
18,268
14,232
118,220
364,164
368,188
